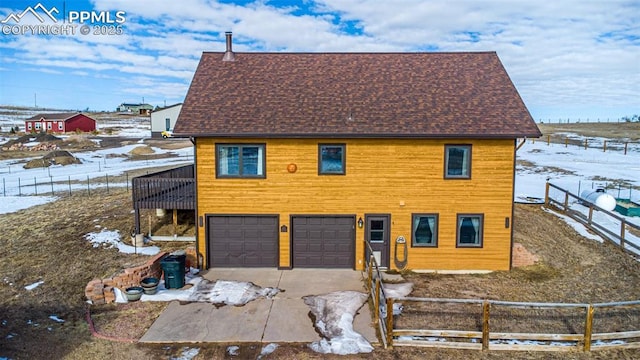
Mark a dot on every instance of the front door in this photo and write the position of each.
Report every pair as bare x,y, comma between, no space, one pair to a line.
377,234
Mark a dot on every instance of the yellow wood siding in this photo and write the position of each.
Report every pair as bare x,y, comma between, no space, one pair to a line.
395,176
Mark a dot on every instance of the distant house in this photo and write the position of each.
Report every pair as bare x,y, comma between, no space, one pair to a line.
142,109
60,123
304,158
164,119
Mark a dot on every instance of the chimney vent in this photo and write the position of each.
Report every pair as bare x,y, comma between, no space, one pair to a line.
228,54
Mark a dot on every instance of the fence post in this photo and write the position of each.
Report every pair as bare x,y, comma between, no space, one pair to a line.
19,188
623,225
585,144
69,181
51,182
588,328
590,213
548,140
546,195
389,319
4,188
566,200
486,306
106,177
35,185
604,147
625,147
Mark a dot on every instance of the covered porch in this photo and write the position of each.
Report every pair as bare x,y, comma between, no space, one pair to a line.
172,189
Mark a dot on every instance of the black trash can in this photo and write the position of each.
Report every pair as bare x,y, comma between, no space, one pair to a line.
173,269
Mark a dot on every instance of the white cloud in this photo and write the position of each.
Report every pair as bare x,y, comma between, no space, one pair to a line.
568,53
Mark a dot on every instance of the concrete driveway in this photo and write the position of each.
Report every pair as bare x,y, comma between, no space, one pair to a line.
284,318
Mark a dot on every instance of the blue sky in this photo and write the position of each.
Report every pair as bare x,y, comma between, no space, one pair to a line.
569,59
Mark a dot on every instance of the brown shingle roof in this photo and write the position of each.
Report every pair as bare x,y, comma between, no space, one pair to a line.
354,95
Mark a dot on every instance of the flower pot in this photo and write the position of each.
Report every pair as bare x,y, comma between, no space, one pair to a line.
149,282
134,293
151,290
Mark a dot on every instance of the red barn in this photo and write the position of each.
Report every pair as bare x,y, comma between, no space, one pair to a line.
60,123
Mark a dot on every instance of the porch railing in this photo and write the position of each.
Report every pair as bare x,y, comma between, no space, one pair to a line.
169,189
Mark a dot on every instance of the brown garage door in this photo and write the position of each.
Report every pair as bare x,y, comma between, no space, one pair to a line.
243,240
323,241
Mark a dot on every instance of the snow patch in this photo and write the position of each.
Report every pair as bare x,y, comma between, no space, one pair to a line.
187,354
56,318
334,314
395,290
267,349
110,239
233,350
11,204
578,227
223,292
34,285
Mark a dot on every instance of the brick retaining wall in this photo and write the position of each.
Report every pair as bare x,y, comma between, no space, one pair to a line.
100,291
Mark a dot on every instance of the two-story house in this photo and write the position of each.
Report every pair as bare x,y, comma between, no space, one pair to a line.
301,158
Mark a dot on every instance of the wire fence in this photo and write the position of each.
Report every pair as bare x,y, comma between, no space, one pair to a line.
60,186
43,182
605,145
587,120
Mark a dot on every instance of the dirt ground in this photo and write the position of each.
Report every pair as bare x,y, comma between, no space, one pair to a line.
46,243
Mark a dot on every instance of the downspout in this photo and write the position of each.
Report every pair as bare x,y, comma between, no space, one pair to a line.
195,188
513,198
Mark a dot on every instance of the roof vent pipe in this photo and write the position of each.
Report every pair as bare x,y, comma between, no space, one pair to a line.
228,54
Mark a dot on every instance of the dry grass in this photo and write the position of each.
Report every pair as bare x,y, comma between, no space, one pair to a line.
630,130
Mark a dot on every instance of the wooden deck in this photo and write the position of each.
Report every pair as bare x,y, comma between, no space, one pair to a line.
169,189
